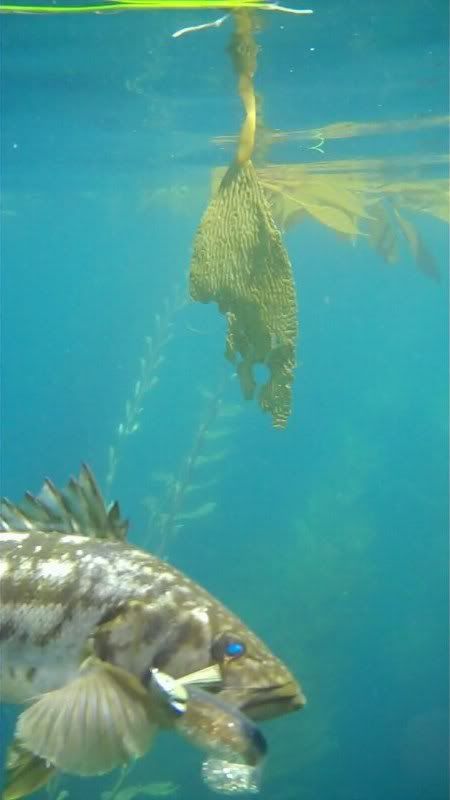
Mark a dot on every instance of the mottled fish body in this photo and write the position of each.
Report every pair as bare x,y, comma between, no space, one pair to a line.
60,593
85,618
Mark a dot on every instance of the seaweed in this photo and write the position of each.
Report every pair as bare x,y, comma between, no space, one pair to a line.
171,509
358,200
150,5
149,364
239,260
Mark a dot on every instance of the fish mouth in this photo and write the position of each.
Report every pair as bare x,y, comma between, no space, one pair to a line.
274,701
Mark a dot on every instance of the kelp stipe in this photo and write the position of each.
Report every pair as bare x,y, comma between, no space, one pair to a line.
149,365
172,509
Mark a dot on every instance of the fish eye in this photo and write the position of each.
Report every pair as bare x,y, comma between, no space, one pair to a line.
227,647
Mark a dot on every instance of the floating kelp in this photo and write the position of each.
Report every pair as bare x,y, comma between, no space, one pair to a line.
422,196
338,201
239,260
348,130
388,229
147,5
358,198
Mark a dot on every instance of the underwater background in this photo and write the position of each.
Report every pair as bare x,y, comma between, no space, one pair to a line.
329,538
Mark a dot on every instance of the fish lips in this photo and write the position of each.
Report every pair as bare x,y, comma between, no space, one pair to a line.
269,702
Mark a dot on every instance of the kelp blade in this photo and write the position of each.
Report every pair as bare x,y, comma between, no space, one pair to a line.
127,5
239,262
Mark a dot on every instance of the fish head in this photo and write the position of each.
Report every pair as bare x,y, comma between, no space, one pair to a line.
253,678
204,634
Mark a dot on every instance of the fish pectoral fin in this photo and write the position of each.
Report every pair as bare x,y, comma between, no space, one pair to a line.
25,773
97,722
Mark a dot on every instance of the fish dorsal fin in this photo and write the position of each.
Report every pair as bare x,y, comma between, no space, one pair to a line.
78,509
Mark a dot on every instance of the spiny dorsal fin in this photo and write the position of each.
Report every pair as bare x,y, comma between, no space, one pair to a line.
79,509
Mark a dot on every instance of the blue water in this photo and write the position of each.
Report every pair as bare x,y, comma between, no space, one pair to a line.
330,538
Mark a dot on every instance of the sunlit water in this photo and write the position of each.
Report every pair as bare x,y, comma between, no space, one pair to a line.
329,538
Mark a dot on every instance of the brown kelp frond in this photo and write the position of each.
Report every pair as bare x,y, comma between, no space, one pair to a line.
422,256
239,260
422,196
389,229
355,199
338,201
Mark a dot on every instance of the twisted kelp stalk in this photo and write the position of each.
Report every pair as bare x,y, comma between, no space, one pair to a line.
150,362
239,260
168,513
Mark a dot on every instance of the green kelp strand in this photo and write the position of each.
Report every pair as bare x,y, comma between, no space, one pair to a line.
200,4
117,5
16,9
149,5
